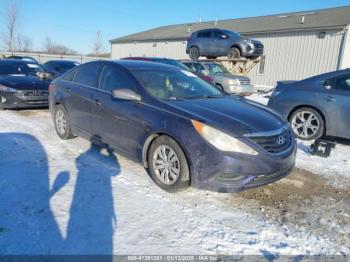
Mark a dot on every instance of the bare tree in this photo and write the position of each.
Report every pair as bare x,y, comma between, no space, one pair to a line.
98,44
24,43
11,25
51,47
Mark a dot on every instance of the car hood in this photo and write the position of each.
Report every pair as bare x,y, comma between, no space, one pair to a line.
24,82
236,116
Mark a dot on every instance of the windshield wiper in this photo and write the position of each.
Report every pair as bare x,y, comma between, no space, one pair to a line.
207,96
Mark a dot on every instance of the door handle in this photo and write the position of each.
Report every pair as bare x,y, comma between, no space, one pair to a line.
68,89
329,98
98,102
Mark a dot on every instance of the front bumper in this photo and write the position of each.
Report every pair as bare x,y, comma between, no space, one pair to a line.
25,99
252,50
219,171
240,89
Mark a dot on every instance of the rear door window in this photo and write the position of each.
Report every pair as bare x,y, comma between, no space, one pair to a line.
205,34
88,75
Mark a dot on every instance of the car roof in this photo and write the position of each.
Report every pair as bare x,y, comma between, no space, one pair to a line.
147,58
139,64
61,61
329,74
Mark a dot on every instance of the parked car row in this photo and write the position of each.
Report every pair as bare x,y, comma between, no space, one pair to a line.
179,119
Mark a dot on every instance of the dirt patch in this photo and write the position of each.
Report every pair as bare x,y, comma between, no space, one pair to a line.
36,112
305,202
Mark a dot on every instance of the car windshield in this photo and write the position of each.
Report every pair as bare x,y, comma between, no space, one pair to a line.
215,69
13,68
175,84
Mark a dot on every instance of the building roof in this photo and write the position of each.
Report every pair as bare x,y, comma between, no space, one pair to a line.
321,19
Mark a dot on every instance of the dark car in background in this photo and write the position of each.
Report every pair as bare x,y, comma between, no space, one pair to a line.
183,129
21,84
222,78
59,67
215,42
172,62
315,106
24,58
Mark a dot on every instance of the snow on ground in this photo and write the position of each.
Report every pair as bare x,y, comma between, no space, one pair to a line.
336,168
68,197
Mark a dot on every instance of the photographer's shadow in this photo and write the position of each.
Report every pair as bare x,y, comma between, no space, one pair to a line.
92,219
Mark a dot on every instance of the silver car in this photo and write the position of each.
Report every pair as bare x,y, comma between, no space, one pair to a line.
223,78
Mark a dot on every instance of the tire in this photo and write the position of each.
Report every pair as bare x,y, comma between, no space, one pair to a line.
168,178
307,123
194,53
234,53
62,123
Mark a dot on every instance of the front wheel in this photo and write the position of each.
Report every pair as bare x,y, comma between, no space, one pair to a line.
194,53
307,124
62,123
168,164
234,53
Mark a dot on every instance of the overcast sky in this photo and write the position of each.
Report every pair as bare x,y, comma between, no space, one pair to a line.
75,22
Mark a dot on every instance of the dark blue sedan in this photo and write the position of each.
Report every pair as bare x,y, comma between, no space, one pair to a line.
184,130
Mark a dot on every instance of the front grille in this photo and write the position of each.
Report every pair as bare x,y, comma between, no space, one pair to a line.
244,82
258,46
274,143
36,93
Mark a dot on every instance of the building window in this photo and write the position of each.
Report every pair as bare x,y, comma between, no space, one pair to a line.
261,69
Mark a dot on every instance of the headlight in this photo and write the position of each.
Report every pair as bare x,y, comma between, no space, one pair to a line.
248,41
222,141
7,89
233,82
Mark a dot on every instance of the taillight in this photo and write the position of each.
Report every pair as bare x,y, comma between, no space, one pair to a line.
51,88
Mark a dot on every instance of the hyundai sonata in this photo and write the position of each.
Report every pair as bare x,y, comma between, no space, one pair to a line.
184,130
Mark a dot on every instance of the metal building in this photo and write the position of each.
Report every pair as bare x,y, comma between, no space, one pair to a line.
297,45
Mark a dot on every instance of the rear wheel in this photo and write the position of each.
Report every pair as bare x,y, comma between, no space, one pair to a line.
194,53
307,124
62,123
234,53
168,164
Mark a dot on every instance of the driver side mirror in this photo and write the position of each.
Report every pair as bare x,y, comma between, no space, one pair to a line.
126,94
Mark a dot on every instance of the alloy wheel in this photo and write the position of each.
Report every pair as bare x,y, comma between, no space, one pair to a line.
305,124
61,122
166,165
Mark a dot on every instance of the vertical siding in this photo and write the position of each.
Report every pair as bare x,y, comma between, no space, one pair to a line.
289,56
169,49
294,56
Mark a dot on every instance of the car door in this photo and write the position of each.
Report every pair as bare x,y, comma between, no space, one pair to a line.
115,121
335,98
79,99
205,42
219,43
